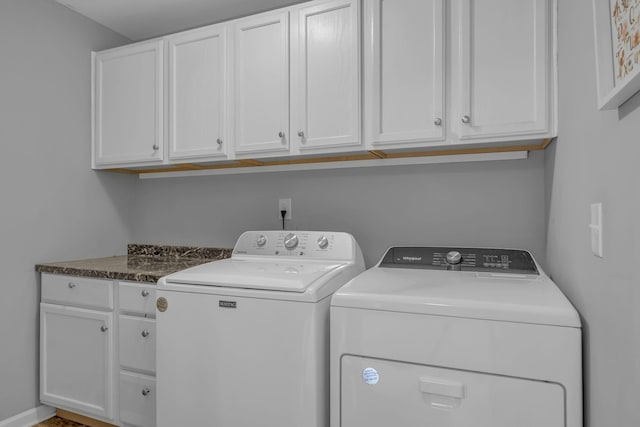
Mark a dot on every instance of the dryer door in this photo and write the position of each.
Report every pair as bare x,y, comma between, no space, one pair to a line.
381,393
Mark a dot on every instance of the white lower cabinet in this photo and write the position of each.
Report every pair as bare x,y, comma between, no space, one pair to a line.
137,354
94,361
76,347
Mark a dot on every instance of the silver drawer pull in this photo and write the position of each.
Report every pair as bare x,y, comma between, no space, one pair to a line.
72,285
104,328
145,333
145,293
146,391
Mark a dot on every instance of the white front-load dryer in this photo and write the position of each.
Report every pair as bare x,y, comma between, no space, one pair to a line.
243,342
455,337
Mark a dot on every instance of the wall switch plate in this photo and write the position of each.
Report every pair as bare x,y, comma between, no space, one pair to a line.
596,229
284,204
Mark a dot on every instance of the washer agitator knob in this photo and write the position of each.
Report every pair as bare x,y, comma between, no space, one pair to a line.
261,240
290,241
454,257
323,242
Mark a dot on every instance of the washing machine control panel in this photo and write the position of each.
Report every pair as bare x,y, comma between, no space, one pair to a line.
461,259
299,244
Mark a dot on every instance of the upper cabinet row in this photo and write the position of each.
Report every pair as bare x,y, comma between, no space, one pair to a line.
330,77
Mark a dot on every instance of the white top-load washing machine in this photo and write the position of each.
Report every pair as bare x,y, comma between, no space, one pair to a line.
455,337
243,342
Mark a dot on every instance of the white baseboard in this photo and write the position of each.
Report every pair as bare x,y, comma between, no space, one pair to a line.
30,417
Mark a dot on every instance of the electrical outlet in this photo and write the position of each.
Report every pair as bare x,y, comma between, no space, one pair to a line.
284,204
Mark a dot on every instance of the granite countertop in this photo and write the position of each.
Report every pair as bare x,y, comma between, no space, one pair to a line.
143,263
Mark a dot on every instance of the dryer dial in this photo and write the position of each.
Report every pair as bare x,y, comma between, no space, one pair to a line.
261,240
290,241
323,242
454,257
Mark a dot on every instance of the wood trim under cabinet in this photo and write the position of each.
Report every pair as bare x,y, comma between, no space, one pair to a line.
72,416
370,155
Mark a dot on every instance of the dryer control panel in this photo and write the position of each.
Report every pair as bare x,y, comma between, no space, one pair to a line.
320,245
460,259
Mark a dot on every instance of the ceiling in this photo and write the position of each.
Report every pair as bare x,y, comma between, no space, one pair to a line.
144,19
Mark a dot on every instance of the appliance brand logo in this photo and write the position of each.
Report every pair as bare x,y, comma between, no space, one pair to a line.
227,304
412,258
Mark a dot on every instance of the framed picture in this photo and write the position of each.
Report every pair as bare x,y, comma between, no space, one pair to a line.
617,42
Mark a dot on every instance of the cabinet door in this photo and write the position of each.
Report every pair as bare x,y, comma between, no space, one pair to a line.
76,359
326,76
262,83
128,105
503,64
404,72
198,93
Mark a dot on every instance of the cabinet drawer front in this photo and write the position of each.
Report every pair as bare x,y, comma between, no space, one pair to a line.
137,298
77,291
138,344
137,400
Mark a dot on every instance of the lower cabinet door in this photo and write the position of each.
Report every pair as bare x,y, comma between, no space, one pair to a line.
137,400
75,359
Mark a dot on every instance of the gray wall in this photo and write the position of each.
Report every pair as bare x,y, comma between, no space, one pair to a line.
595,159
499,203
53,206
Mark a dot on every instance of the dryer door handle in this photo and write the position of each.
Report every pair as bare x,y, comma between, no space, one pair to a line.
442,387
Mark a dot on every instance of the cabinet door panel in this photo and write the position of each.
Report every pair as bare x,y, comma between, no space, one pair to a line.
504,63
129,105
198,93
262,83
326,80
404,71
75,361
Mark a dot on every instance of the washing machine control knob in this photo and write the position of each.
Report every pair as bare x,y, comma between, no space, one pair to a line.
290,241
261,240
454,257
323,242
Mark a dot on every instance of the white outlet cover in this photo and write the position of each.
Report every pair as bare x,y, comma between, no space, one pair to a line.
596,229
284,204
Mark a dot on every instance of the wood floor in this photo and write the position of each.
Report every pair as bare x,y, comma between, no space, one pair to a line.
58,422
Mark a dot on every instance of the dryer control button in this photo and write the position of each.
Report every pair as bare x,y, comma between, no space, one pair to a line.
261,240
323,242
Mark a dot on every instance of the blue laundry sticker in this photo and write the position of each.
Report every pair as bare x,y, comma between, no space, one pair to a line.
370,376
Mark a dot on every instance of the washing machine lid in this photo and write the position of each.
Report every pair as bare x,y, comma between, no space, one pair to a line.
268,274
481,293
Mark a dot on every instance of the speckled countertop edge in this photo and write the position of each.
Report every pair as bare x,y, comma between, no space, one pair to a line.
143,263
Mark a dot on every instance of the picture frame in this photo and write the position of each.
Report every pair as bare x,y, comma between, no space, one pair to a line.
617,43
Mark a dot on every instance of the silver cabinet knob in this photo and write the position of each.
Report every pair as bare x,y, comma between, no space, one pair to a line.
438,122
281,134
72,285
466,119
219,141
145,292
104,328
155,147
301,133
146,391
145,333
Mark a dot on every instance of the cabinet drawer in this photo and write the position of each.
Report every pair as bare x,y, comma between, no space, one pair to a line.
77,291
138,343
137,298
137,400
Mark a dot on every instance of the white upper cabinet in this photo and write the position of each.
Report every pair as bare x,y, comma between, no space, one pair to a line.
199,94
404,66
325,104
503,69
128,105
262,83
